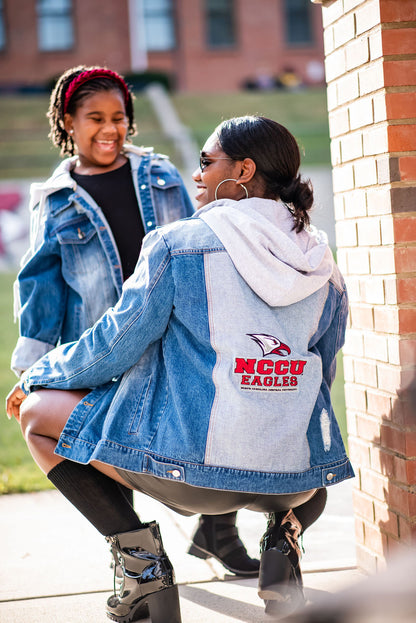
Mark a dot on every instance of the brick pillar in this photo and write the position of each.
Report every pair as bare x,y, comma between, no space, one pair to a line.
370,48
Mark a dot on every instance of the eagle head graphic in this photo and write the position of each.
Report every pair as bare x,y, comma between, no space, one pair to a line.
270,345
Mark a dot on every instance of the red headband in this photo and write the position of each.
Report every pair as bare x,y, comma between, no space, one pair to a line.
90,74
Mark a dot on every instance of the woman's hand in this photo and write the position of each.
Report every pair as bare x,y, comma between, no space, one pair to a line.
13,402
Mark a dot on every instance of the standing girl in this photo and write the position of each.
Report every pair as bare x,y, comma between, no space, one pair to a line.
87,224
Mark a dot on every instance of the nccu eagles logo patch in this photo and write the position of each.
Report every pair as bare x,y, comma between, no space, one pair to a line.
269,373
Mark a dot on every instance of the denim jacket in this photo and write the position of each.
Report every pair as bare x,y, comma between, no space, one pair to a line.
72,271
215,366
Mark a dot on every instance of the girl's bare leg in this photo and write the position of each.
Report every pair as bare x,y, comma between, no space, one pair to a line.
43,416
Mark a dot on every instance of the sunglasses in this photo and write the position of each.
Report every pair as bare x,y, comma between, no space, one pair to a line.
205,161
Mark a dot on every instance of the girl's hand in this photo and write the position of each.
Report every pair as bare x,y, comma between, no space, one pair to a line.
13,402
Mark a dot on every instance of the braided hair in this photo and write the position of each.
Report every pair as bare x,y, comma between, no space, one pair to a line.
60,104
276,155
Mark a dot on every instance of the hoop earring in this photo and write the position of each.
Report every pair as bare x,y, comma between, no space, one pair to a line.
230,179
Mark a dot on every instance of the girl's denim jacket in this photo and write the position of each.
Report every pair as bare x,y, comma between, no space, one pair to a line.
72,273
197,378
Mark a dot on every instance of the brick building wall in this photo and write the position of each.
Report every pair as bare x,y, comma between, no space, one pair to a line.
370,48
102,36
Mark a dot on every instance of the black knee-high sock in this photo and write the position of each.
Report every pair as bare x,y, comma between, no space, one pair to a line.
98,497
308,512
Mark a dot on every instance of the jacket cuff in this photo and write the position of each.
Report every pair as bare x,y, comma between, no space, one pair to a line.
27,352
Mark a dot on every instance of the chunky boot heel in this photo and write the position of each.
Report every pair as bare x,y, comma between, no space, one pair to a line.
164,607
196,551
275,570
147,585
280,577
217,537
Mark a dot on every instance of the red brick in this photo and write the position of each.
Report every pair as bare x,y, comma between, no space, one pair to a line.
407,320
357,53
400,105
402,137
344,30
382,461
407,351
411,444
404,229
368,428
406,290
378,201
369,233
366,372
393,439
375,347
375,141
359,530
355,203
393,11
386,319
355,398
371,78
402,500
361,113
374,484
399,73
363,505
335,65
374,539
407,168
362,317
386,519
343,178
405,470
372,290
403,413
351,146
398,41
358,261
389,377
407,531
354,344
346,233
382,260
367,16
405,258
359,453
378,404
348,88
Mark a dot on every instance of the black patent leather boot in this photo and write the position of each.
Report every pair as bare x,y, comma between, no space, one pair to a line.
148,587
217,536
280,577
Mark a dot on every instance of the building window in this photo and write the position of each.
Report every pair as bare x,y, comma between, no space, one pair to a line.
2,28
159,25
220,23
298,22
55,25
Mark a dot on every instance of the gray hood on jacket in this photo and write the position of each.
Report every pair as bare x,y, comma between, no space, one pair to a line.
280,265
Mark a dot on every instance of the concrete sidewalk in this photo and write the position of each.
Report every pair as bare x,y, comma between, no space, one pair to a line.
54,566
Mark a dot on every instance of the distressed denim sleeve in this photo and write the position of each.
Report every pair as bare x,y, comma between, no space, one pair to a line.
119,338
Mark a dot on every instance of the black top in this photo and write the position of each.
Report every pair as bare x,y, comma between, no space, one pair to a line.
114,193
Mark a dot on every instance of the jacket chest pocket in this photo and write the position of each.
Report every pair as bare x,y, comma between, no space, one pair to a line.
168,201
81,250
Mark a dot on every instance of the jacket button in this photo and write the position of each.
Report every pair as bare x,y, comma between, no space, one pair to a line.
143,186
161,182
176,473
149,223
330,476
